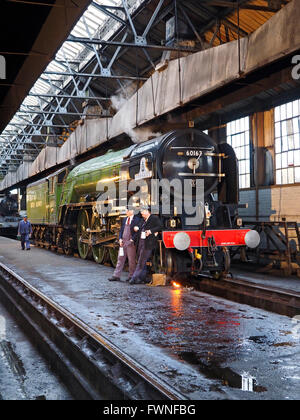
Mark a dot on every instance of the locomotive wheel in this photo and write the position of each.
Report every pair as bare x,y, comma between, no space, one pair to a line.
68,251
83,226
99,254
98,251
113,253
33,237
170,263
40,237
66,245
227,260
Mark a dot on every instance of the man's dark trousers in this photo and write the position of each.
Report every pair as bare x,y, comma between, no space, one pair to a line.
146,247
140,271
25,240
129,252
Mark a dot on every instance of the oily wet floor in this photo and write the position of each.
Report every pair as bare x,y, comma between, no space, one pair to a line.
13,359
212,335
24,374
228,377
195,341
184,322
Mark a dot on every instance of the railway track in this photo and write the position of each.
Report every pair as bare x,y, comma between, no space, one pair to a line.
90,365
272,299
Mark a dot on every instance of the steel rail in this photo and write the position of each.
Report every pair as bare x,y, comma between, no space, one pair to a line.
273,299
89,363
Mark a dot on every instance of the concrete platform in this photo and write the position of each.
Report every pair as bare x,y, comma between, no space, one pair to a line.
202,345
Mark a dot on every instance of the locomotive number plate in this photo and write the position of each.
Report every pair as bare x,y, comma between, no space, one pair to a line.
195,153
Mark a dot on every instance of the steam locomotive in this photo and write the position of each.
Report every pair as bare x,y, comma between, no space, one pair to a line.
66,208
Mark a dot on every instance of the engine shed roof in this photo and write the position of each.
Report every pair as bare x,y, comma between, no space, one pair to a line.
58,66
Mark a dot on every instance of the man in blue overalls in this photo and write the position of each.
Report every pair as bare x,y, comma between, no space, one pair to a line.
25,231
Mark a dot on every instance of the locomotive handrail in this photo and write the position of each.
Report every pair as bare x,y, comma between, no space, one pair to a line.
200,174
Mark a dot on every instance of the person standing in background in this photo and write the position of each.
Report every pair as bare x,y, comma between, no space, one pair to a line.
25,231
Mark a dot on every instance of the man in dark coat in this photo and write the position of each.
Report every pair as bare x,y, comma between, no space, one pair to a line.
128,238
25,231
147,243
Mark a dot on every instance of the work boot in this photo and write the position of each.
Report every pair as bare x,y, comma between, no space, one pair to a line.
113,278
135,281
128,280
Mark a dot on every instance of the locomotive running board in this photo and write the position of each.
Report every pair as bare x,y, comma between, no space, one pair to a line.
100,241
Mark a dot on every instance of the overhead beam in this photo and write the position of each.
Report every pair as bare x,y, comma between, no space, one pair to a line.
131,45
49,95
105,10
58,113
235,5
30,135
94,75
36,3
39,125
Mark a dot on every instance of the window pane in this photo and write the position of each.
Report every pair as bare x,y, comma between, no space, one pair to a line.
284,144
284,128
284,175
283,112
278,145
297,174
247,181
297,141
278,130
291,175
295,108
297,158
289,110
291,142
278,177
287,142
296,125
284,160
238,136
278,161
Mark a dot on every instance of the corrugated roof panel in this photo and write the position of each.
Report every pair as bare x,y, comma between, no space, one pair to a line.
249,20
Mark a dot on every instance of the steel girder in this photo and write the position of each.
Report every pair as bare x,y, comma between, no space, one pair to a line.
72,80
